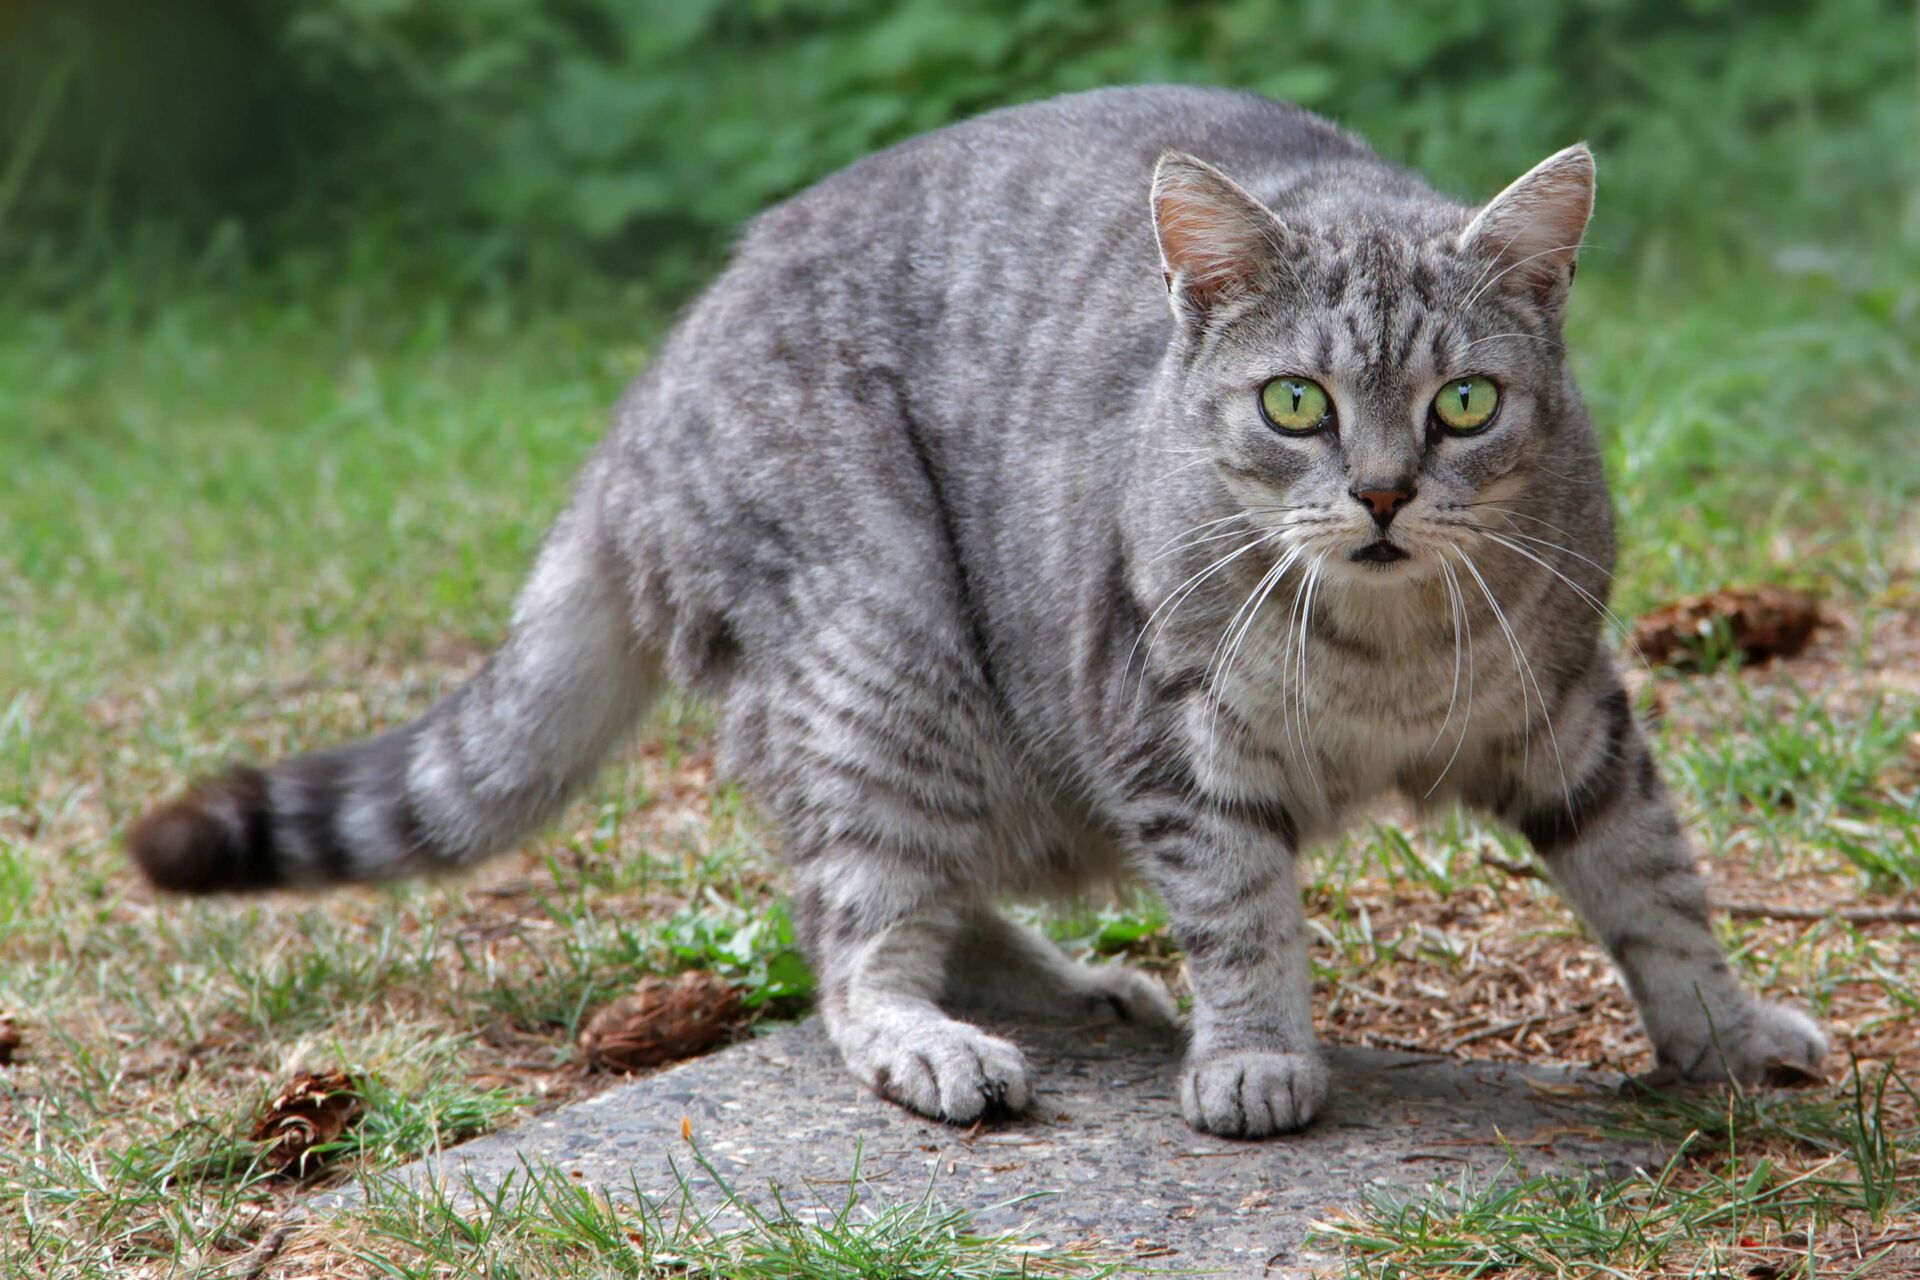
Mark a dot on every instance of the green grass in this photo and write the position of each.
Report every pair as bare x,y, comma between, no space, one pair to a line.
246,517
1754,1180
1577,1225
539,1222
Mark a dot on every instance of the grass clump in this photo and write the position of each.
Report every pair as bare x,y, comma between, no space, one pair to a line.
540,1222
1762,1184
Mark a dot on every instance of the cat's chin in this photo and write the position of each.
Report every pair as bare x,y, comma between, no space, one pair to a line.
1380,554
1381,564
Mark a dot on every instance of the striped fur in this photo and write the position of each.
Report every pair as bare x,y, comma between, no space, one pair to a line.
955,495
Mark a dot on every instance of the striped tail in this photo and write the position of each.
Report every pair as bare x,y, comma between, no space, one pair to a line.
486,766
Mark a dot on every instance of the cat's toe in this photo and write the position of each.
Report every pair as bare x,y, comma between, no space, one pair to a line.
1252,1094
1783,1046
1133,997
1765,1043
954,1073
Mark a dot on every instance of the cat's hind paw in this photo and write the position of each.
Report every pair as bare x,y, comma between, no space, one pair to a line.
1133,997
1253,1093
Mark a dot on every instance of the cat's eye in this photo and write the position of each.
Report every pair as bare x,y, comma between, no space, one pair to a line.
1295,405
1466,404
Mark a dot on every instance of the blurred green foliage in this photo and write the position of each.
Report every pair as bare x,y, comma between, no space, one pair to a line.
638,132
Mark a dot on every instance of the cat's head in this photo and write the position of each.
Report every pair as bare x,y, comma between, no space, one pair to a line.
1377,376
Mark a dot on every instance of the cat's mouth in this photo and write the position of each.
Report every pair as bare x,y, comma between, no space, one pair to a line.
1381,552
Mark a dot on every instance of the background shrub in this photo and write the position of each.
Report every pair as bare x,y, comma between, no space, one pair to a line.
633,134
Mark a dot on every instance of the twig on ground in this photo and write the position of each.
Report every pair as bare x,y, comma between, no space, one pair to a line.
255,1263
1518,870
1852,915
1498,1028
1745,910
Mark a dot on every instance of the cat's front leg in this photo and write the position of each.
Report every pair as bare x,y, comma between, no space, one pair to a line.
1610,838
880,945
1226,872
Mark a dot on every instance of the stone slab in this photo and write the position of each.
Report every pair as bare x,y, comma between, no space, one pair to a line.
1104,1157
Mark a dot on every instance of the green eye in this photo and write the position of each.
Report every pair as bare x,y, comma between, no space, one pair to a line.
1466,404
1295,405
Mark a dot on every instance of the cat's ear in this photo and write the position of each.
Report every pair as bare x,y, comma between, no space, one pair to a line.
1530,233
1218,244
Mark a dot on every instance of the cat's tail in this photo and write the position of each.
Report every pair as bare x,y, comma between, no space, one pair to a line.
488,764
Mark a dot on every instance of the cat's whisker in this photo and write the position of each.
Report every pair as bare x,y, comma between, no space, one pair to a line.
1600,606
1622,631
1544,253
1594,602
1306,704
1524,668
1280,527
1579,482
1185,466
1182,592
1548,543
1499,507
1532,337
1290,640
1463,621
1204,524
1251,609
1493,261
1453,614
1193,584
1245,513
1247,610
1526,705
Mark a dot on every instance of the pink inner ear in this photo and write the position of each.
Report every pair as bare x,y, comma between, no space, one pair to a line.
1202,243
1216,240
1533,229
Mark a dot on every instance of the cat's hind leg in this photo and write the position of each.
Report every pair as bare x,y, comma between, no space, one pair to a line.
1608,834
1006,967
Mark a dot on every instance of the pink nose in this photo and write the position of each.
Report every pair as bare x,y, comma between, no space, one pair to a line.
1383,503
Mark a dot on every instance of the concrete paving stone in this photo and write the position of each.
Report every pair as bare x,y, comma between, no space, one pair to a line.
1104,1158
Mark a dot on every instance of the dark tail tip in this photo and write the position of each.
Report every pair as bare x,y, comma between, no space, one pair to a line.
217,838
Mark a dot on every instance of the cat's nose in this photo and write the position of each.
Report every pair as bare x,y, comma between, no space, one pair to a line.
1383,500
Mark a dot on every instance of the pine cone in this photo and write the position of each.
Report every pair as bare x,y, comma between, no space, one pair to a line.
310,1112
661,1020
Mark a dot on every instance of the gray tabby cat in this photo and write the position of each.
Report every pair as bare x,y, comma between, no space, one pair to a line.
1038,503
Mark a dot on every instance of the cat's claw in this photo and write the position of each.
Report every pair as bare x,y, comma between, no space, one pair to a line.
1253,1093
1761,1043
952,1072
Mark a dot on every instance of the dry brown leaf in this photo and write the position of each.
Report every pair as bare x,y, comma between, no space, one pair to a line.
661,1020
1760,623
311,1111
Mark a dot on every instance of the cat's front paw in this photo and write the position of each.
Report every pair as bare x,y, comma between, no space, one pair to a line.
1253,1093
949,1071
1759,1042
